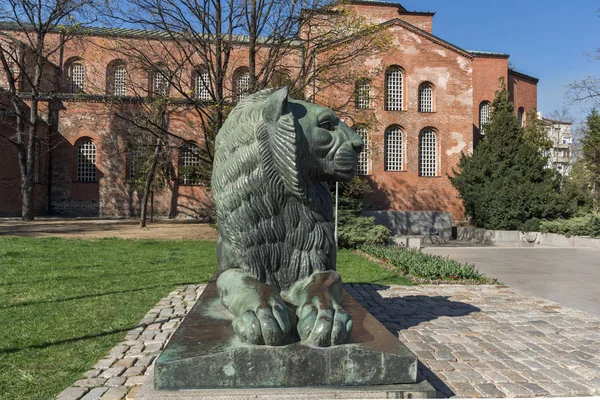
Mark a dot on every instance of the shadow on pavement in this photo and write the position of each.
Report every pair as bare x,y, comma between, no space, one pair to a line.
402,312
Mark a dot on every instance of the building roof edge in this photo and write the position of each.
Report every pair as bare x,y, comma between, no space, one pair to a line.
523,76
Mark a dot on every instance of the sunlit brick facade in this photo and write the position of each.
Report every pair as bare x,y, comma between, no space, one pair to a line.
419,105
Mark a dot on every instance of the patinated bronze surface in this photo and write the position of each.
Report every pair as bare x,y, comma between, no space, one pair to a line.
276,249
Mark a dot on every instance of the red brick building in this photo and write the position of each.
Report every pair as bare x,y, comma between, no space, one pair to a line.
419,106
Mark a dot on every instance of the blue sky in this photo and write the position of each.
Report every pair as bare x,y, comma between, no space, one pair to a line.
547,39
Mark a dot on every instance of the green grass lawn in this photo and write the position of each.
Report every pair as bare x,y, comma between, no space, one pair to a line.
64,303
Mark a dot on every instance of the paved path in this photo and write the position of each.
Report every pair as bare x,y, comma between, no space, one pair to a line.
472,341
568,276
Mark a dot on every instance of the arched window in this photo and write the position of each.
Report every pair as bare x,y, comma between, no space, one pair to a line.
484,116
86,161
75,76
202,84
521,116
393,89
189,164
393,148
116,79
425,98
159,82
241,83
362,94
364,155
428,159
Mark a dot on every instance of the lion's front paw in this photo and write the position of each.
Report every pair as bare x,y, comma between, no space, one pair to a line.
324,326
270,324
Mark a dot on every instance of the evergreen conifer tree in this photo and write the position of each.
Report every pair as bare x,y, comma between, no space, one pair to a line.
505,184
591,154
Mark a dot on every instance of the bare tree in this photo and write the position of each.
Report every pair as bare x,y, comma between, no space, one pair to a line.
40,30
212,53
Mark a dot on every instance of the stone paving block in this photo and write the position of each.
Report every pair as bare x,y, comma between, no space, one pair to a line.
488,390
145,361
135,380
513,390
465,390
439,365
90,382
125,362
495,376
444,355
116,381
112,372
72,393
464,356
534,376
115,393
92,373
95,393
134,371
535,389
152,347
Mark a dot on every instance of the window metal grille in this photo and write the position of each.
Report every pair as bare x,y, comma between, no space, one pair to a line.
86,161
428,153
363,156
425,98
133,156
520,115
203,86
160,84
393,149
77,78
119,79
242,86
363,94
189,163
484,116
393,88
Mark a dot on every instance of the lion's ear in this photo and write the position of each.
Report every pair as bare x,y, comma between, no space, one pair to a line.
276,105
279,143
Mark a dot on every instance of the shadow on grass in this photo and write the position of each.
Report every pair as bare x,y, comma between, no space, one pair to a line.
408,311
44,345
90,295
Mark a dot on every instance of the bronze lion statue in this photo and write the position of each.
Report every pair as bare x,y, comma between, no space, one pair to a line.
273,158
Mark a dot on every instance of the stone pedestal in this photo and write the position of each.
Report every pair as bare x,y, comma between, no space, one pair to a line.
204,353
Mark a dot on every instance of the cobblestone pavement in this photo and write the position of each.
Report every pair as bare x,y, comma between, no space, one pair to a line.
472,341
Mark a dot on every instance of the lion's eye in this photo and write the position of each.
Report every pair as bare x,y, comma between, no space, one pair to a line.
326,124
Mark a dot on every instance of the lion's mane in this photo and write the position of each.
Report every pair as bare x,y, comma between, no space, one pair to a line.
273,222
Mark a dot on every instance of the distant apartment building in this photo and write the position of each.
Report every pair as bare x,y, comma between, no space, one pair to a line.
560,155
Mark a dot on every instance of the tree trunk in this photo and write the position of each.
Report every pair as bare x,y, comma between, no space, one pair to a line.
148,185
252,47
26,186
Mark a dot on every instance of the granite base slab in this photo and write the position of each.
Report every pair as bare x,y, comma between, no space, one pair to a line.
420,390
204,353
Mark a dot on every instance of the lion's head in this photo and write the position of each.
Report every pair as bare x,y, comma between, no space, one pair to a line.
322,147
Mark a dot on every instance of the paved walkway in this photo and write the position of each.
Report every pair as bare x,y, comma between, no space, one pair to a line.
568,276
472,341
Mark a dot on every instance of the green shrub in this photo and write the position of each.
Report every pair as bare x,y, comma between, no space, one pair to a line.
532,225
420,265
356,231
588,225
